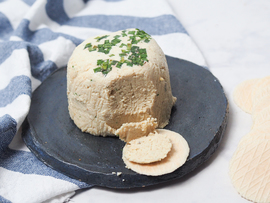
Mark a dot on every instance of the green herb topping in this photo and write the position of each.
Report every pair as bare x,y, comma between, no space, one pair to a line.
90,48
102,37
124,33
105,66
138,35
130,54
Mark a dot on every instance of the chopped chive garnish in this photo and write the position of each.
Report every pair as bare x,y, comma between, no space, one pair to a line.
114,62
128,46
102,37
125,51
124,33
142,51
138,35
90,48
122,59
105,66
131,32
97,70
115,41
99,62
119,64
122,45
129,63
122,54
88,45
134,49
131,55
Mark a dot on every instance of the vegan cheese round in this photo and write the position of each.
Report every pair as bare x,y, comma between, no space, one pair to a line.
119,79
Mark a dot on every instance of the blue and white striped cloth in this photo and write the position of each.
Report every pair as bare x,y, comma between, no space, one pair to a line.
38,37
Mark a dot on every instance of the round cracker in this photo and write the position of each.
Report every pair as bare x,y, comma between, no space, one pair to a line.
257,86
250,164
147,149
175,158
263,127
250,170
260,90
261,117
263,103
254,134
242,94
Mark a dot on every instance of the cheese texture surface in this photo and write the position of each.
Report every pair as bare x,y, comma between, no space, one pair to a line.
118,80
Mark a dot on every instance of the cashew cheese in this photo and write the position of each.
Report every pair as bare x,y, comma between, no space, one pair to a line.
117,79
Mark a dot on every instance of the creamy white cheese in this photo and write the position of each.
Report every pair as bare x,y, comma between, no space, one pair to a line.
101,104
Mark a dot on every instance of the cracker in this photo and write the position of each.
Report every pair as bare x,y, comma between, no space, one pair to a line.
242,94
147,149
253,135
261,117
250,169
175,158
260,90
260,105
250,164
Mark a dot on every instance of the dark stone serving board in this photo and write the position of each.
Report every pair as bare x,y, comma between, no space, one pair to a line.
199,115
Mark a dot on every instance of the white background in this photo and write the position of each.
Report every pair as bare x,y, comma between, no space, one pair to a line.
234,37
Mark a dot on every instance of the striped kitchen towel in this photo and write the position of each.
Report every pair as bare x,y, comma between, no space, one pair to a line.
38,37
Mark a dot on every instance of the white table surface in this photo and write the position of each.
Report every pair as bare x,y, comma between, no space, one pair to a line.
234,36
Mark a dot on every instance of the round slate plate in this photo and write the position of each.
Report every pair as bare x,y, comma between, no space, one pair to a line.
200,115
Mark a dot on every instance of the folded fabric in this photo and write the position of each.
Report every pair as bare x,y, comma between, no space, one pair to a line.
38,37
